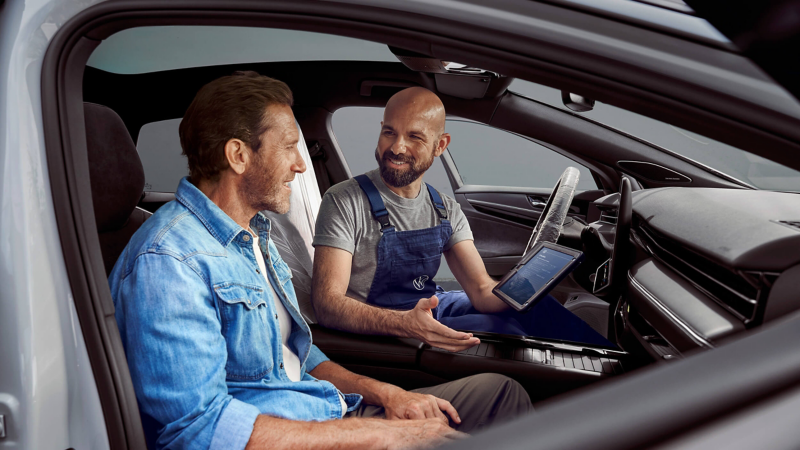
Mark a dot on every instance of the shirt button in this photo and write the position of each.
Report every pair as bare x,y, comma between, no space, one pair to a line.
281,365
276,316
246,237
258,271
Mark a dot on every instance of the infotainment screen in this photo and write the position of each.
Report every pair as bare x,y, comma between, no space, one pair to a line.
536,274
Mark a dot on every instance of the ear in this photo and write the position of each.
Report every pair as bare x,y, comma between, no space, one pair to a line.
441,145
237,154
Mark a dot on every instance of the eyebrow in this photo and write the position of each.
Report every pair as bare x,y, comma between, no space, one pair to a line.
389,127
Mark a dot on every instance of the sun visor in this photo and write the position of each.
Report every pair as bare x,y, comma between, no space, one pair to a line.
462,86
454,79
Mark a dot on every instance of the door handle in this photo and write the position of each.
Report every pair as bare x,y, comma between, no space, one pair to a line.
537,202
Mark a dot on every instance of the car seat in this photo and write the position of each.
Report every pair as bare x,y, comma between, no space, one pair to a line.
117,179
293,232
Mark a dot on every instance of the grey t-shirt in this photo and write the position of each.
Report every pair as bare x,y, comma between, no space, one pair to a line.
345,221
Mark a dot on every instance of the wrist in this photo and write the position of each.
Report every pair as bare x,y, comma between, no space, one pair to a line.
402,323
386,393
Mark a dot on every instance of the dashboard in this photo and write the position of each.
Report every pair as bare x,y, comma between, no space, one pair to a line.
706,264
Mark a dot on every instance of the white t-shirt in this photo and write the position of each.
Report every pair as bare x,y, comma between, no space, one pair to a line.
291,363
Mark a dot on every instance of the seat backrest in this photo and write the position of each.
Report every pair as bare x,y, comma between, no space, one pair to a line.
117,180
293,232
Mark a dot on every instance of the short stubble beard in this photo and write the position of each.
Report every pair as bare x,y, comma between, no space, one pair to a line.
262,188
397,178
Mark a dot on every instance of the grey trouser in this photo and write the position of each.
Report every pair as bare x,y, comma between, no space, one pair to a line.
481,400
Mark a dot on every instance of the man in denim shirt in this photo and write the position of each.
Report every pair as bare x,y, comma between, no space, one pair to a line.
218,352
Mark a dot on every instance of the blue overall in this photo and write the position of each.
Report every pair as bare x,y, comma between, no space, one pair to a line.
408,261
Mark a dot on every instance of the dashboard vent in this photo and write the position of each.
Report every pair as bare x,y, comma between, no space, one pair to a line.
739,292
609,216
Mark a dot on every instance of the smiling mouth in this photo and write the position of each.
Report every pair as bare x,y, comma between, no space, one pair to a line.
397,163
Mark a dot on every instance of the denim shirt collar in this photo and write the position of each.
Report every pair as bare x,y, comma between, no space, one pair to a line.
218,223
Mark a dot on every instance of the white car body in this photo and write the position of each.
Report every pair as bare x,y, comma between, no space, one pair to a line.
48,395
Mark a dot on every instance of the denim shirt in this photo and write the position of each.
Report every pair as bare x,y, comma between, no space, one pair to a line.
200,330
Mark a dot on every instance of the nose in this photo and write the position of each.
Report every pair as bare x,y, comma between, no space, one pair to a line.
299,165
398,146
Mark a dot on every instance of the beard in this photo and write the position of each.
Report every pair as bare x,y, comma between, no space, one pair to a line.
401,178
263,189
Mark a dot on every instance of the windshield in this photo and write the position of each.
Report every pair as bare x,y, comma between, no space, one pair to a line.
734,162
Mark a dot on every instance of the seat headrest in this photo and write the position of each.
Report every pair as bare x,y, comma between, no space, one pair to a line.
116,172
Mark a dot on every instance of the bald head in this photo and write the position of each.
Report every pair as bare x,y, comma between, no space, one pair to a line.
420,104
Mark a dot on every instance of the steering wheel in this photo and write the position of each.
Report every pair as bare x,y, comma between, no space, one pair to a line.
548,227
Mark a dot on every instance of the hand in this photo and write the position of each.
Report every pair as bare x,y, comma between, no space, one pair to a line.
401,404
424,327
416,434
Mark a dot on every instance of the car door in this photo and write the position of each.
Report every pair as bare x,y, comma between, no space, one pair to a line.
502,182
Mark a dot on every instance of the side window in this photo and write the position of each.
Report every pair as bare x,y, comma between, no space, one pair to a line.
159,149
357,129
489,156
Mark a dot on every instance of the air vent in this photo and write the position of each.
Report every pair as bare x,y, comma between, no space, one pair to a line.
609,217
653,172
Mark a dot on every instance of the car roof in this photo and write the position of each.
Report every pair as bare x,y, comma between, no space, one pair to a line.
668,16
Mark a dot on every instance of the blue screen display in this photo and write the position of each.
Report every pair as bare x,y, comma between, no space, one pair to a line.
531,277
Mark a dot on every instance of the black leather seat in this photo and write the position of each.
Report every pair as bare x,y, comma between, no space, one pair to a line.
117,179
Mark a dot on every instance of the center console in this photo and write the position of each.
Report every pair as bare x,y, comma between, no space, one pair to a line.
545,368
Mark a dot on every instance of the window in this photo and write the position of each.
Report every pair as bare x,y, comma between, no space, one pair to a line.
745,166
489,156
152,49
483,155
159,149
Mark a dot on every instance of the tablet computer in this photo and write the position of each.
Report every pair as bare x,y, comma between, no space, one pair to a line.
536,274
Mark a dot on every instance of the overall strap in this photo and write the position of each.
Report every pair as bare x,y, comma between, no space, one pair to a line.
375,201
437,201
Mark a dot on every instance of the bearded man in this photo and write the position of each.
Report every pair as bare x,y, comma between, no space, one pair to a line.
380,238
218,352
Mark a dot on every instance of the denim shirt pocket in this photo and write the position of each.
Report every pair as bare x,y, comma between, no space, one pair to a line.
282,270
243,311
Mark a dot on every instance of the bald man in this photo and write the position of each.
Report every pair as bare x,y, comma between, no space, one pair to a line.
379,241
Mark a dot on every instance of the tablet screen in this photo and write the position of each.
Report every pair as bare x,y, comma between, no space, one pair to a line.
531,277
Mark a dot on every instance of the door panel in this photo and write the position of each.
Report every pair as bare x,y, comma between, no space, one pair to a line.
502,220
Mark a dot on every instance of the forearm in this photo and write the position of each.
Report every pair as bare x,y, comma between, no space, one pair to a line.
484,300
340,312
276,434
373,391
467,266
